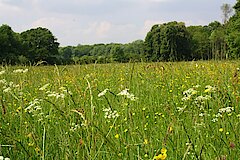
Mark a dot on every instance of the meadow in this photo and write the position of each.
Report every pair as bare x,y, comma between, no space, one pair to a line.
132,111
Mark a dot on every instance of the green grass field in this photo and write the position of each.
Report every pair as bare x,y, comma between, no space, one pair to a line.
184,110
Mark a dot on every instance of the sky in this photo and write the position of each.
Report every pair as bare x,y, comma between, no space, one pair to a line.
75,22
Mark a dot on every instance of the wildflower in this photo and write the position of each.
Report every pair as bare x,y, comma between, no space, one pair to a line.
2,72
74,127
161,156
209,89
117,136
221,130
170,129
20,71
127,94
188,94
103,92
226,110
8,89
57,95
203,98
3,81
1,158
110,114
145,141
232,145
214,120
124,92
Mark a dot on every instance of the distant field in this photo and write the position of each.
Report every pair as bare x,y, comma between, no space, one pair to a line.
184,110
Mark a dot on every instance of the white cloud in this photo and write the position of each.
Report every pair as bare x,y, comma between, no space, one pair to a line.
6,8
148,25
105,21
48,22
103,28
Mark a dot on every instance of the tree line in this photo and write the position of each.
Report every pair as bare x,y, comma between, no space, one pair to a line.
172,41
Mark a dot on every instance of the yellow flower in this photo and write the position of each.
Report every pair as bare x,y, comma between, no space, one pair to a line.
161,156
145,141
117,136
163,150
221,130
170,129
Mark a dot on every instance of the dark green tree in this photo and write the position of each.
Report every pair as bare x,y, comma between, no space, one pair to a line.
168,42
233,33
10,45
40,45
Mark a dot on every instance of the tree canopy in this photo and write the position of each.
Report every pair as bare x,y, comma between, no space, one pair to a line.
40,45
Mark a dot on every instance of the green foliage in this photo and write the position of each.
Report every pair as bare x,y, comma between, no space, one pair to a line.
168,42
200,42
171,41
102,53
233,29
40,45
10,45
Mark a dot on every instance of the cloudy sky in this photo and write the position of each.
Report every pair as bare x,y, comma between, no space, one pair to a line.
104,21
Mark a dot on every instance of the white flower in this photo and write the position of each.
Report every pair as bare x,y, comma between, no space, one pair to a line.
110,114
226,110
190,92
209,89
132,97
8,89
214,120
106,109
25,70
1,158
103,92
3,81
124,92
2,72
127,94
57,95
202,98
186,98
197,86
20,71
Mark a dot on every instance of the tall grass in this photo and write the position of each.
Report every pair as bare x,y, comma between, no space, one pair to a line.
121,111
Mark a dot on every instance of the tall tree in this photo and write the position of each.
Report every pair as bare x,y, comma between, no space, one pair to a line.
168,42
40,44
10,45
200,43
233,30
227,11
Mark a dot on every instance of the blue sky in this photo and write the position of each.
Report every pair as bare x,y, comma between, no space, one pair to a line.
105,21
